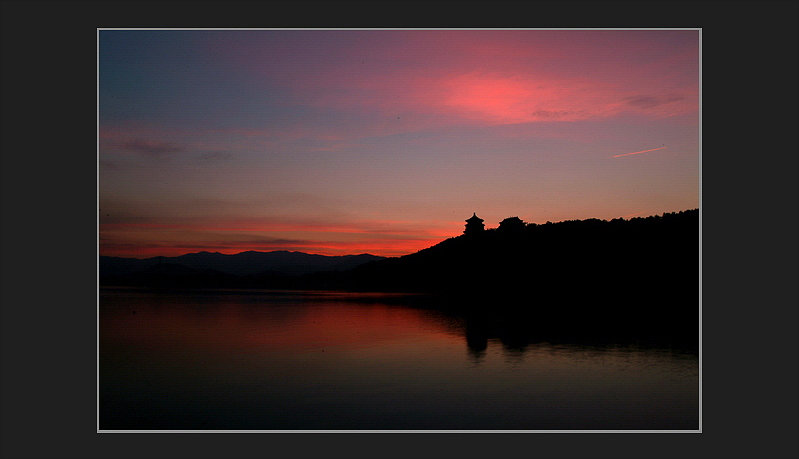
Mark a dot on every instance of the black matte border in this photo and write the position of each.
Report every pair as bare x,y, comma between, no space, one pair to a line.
749,218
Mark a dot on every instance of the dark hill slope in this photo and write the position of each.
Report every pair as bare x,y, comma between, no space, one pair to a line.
653,257
589,279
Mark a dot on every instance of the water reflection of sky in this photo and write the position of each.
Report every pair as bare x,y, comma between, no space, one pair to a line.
354,363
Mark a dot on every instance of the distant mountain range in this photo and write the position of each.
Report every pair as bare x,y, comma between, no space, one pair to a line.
250,263
655,258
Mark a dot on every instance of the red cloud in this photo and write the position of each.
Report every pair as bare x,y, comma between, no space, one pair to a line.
443,77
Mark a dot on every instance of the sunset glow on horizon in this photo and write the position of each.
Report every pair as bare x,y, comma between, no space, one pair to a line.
384,141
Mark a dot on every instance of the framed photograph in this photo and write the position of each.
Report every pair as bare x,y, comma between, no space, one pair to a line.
289,237
398,229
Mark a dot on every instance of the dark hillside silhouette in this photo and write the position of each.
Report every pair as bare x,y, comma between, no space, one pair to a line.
568,259
654,258
616,280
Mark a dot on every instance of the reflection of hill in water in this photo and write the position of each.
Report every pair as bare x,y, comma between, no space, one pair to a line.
520,334
278,360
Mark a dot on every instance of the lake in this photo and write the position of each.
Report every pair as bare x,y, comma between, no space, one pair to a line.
260,360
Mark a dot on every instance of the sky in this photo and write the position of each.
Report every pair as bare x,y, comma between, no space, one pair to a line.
384,141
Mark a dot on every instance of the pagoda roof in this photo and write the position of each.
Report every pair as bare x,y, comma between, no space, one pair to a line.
474,218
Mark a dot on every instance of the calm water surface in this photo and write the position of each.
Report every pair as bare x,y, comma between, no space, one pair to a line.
270,360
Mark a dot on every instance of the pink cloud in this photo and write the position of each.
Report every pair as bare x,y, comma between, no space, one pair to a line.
405,81
444,74
422,80
431,101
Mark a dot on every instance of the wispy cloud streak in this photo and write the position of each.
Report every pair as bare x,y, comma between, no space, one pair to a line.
638,152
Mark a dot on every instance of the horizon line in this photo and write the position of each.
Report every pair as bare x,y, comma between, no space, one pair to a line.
217,251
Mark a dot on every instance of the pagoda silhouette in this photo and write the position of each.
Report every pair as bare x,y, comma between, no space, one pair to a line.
474,225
